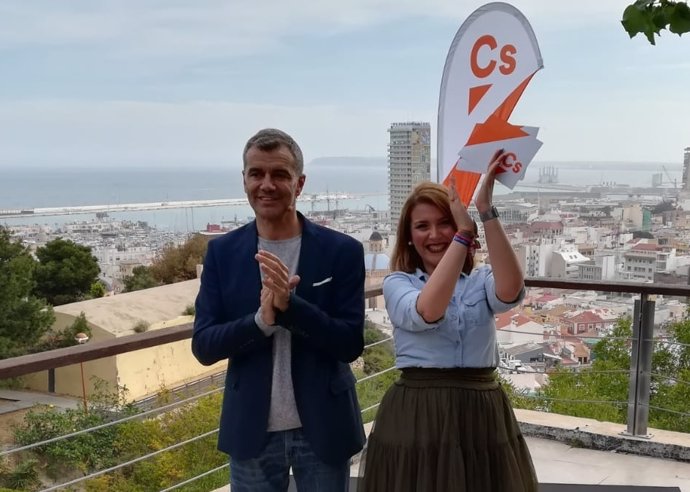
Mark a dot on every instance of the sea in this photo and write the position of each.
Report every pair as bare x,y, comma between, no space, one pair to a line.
38,187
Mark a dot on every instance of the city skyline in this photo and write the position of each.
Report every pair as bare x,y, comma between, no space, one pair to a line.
175,85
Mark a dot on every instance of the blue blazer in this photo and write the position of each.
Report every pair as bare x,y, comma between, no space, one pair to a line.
326,318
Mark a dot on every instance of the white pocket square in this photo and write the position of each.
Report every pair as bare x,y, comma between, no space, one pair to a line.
324,281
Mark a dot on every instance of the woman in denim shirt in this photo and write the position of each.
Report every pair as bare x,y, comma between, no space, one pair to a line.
446,424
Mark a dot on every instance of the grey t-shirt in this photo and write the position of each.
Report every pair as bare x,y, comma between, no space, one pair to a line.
283,413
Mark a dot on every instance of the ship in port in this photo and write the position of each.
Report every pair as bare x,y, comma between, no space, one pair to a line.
14,212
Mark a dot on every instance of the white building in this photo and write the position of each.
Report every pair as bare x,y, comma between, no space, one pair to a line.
630,215
602,267
666,261
565,261
640,263
535,258
110,259
668,311
682,265
409,163
582,234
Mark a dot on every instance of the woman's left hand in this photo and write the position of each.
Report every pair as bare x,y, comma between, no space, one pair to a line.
484,199
462,218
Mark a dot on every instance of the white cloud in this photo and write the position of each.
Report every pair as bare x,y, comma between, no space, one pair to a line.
165,28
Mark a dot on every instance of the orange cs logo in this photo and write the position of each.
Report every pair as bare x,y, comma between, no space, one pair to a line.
506,56
510,163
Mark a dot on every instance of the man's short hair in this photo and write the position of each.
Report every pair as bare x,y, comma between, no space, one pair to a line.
270,139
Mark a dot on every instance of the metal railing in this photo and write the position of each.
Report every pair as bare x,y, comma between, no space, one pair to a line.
640,372
153,412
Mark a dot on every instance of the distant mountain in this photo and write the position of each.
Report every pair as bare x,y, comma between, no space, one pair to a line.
347,162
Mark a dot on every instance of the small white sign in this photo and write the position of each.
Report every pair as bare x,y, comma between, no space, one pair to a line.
519,152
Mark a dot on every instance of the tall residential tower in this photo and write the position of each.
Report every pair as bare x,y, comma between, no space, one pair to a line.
409,162
686,170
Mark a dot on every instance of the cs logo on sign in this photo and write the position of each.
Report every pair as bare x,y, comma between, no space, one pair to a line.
506,56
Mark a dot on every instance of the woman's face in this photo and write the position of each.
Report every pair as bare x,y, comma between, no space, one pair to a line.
431,232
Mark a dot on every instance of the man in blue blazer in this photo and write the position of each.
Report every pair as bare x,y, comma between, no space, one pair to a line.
283,299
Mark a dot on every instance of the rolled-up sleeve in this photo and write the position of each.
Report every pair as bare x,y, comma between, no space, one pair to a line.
401,295
496,304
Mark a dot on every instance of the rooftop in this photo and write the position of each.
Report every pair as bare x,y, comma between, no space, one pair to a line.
645,247
118,314
583,317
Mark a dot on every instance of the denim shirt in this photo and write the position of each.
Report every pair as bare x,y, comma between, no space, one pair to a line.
464,337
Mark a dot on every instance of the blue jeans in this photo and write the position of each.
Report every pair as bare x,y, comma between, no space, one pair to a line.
269,472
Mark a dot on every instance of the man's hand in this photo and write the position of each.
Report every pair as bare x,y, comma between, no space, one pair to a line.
277,279
268,314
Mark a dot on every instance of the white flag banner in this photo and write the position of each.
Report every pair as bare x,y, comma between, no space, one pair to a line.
489,64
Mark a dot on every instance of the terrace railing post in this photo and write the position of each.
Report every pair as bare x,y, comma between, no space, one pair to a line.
640,367
632,375
51,380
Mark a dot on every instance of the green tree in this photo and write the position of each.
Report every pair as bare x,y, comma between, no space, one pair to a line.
680,334
23,318
519,398
86,452
671,380
615,347
141,278
96,290
65,272
371,333
380,356
65,337
178,263
138,438
371,391
376,359
601,392
650,17
95,450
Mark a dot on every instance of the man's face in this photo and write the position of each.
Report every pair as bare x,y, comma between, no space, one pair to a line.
271,182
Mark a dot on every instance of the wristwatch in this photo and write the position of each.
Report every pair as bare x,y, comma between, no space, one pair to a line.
492,213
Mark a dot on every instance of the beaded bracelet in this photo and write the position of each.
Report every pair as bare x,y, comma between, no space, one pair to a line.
463,239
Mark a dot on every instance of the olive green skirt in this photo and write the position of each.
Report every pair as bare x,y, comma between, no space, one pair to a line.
443,430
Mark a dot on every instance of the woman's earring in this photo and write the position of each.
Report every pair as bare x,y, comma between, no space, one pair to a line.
409,243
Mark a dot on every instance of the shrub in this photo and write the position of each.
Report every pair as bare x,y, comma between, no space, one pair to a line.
141,326
24,476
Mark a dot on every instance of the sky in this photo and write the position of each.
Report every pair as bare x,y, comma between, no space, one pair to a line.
139,83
